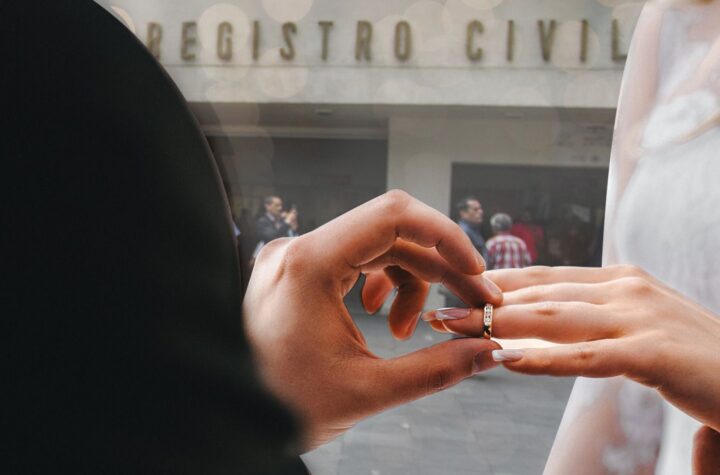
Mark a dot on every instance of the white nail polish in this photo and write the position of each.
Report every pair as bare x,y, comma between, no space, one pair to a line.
507,356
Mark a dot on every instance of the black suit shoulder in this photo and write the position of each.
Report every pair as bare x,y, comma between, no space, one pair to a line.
128,354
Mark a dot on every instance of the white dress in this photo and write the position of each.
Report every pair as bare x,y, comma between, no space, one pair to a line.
663,214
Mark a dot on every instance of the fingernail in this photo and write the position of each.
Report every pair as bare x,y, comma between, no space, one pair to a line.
483,361
493,287
452,313
508,356
428,316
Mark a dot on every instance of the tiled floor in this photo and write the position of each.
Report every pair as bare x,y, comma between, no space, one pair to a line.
496,423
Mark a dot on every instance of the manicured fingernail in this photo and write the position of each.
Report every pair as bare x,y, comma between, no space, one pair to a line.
483,361
493,287
507,356
428,316
452,313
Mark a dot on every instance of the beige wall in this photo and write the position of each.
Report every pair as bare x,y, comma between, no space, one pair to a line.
421,151
437,72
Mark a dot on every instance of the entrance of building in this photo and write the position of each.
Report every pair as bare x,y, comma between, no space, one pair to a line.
567,203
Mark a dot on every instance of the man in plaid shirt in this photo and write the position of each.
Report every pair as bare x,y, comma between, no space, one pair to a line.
506,251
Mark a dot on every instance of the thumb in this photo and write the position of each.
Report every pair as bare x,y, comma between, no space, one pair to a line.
706,452
424,372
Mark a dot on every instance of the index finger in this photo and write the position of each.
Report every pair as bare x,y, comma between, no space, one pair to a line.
366,232
514,279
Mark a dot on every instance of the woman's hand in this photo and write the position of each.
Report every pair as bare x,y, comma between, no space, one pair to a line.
615,321
309,351
706,452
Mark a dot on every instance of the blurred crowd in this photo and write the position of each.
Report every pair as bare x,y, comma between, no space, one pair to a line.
504,241
523,241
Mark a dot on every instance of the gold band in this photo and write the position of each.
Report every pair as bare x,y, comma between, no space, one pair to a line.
487,320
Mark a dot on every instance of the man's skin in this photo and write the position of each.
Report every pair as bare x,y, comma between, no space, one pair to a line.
309,351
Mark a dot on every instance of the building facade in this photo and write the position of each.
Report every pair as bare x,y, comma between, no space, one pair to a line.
330,103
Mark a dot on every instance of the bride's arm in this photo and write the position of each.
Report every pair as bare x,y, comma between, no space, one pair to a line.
592,434
637,99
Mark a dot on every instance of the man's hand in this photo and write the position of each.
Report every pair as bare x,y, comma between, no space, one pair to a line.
307,347
292,219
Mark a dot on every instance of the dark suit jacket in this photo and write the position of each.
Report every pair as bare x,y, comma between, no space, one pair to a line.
477,239
121,292
266,231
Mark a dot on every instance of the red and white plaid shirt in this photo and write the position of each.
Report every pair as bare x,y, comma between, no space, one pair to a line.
506,251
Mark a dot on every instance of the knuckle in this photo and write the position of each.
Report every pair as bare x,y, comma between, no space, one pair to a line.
651,367
542,364
538,293
548,309
584,354
437,378
630,270
638,286
393,255
537,273
394,202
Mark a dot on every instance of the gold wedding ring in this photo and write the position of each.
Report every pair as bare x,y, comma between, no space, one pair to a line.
487,320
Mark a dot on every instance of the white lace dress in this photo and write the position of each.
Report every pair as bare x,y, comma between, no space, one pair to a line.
663,214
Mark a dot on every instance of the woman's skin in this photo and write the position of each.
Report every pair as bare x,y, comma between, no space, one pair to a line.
612,321
706,452
307,348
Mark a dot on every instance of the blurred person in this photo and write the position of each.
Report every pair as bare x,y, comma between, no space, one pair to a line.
274,223
470,218
574,242
290,216
532,234
506,251
470,212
